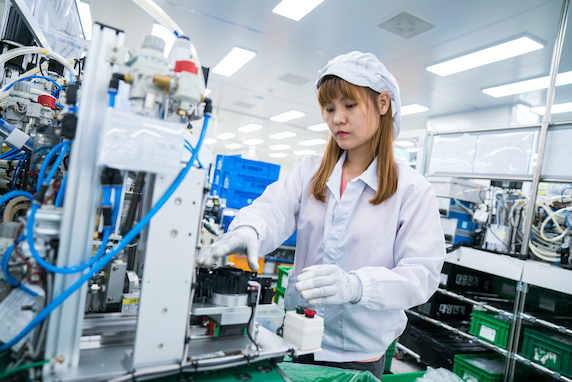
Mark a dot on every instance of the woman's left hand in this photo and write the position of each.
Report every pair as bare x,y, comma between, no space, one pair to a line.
328,284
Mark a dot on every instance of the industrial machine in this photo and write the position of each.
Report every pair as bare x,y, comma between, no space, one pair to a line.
104,196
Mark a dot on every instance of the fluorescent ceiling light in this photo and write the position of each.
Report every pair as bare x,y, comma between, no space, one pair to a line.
304,152
403,143
209,141
295,9
283,135
279,147
85,18
528,85
288,116
486,56
318,127
250,128
232,146
255,141
278,155
207,92
413,109
165,34
233,61
556,109
225,136
313,142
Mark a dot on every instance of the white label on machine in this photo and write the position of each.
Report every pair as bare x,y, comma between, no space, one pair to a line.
139,143
469,378
17,138
13,318
547,304
130,305
444,279
487,333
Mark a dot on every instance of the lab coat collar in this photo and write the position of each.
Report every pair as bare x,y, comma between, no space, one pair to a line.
369,176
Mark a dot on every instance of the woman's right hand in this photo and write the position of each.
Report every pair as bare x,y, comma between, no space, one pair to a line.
242,240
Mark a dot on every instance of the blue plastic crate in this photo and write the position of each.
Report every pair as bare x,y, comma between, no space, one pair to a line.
236,198
236,164
244,183
291,240
226,220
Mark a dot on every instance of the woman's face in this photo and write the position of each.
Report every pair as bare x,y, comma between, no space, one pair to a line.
350,124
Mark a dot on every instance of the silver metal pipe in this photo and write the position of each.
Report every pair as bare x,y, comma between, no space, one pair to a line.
491,129
557,53
485,176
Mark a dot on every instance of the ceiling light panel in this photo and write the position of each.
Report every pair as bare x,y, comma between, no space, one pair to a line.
413,109
295,9
556,109
304,152
279,147
528,85
252,142
313,142
318,127
250,128
232,146
287,116
209,141
233,61
283,135
225,136
486,56
278,155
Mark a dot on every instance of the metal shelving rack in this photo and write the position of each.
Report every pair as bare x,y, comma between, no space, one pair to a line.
524,272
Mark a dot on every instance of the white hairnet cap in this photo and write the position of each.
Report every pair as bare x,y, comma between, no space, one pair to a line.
364,69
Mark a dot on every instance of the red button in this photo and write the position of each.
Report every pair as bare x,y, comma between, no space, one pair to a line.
310,313
186,66
47,100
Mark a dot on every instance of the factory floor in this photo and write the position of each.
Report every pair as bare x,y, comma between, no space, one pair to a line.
407,364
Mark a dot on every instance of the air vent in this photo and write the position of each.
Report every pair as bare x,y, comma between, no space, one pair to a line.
245,105
294,80
406,25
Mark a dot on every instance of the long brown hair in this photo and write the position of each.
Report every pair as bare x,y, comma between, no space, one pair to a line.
381,145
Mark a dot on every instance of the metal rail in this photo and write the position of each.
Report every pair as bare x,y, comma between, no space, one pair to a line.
554,374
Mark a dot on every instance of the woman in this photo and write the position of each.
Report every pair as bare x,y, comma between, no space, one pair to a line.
369,240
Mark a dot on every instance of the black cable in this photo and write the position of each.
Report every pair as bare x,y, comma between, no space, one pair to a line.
130,219
248,328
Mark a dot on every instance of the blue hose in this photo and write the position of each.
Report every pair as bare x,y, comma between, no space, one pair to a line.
110,255
47,160
61,192
12,194
43,263
9,277
117,203
59,88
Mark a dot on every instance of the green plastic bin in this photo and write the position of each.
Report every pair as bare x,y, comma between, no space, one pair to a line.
548,348
279,297
283,276
408,377
490,328
389,354
472,373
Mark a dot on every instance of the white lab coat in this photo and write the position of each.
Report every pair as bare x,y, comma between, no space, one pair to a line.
396,248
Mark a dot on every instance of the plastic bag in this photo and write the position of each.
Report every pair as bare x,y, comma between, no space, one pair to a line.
298,372
439,375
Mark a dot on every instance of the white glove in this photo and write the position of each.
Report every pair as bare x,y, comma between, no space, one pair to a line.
328,284
243,240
